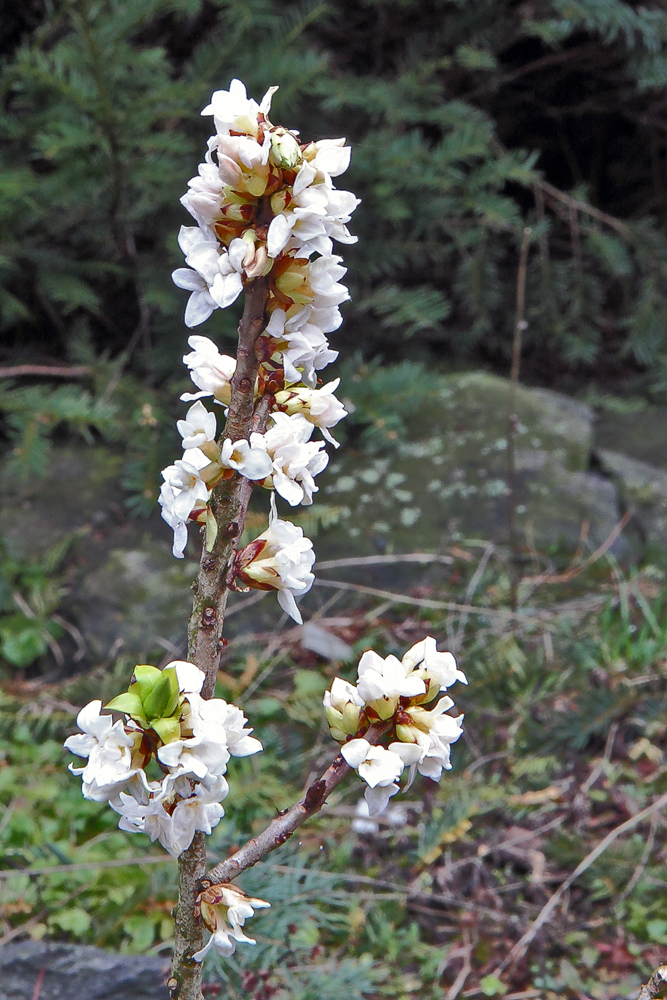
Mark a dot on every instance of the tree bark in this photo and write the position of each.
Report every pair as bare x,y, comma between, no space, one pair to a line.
229,503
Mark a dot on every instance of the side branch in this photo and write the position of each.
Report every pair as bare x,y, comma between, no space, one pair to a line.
282,827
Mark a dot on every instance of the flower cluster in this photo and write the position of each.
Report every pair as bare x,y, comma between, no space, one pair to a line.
224,909
398,698
265,206
162,765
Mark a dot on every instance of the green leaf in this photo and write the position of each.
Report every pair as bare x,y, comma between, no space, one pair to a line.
157,700
167,729
211,532
21,645
74,920
492,987
146,678
174,695
128,702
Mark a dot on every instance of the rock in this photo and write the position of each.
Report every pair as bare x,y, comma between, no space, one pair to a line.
635,429
449,481
642,487
445,482
70,971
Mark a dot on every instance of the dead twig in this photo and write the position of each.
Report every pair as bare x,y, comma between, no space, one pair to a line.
520,948
520,325
420,557
574,570
460,981
50,371
646,854
422,602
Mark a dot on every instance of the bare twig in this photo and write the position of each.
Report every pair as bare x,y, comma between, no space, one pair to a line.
521,946
419,557
84,866
423,602
513,419
460,981
49,371
576,570
646,854
229,500
475,580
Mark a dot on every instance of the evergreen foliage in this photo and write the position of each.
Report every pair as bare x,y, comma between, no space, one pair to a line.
469,121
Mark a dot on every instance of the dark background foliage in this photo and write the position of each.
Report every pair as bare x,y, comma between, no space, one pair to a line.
469,120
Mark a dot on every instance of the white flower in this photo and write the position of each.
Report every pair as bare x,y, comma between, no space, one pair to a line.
432,732
319,406
217,731
108,749
332,156
378,767
166,500
190,677
383,681
279,559
204,196
249,460
234,111
434,666
225,917
200,304
239,741
361,822
204,754
211,371
303,346
343,705
198,427
216,277
296,460
189,810
187,488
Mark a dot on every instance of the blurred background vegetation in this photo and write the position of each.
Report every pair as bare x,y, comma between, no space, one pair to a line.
469,120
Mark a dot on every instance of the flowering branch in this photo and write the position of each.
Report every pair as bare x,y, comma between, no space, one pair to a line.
230,499
267,213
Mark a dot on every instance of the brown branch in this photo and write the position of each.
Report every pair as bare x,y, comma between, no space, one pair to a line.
229,500
656,985
283,826
247,364
186,977
51,371
229,504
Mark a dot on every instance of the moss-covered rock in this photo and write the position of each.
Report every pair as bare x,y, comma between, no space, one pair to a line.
449,480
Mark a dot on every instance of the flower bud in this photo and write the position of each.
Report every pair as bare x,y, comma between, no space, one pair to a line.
285,150
343,707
